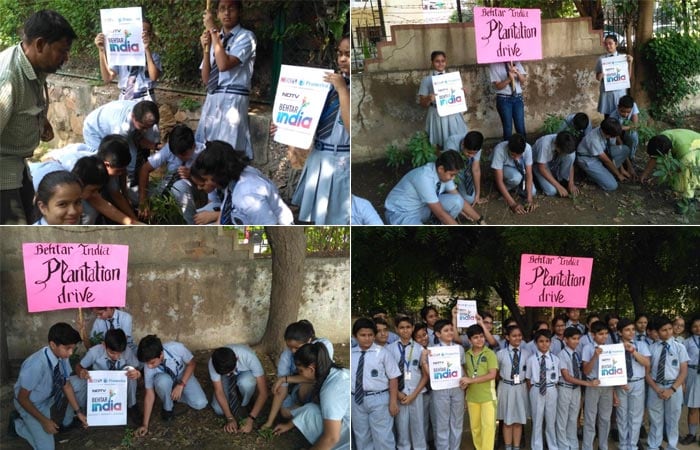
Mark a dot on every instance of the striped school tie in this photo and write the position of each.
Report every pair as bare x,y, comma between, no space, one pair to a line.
628,363
577,365
234,399
402,366
58,382
661,368
359,390
111,323
543,376
227,208
515,369
213,81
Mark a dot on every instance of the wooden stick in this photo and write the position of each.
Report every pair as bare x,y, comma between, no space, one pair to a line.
206,47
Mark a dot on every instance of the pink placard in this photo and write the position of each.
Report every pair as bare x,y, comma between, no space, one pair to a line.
561,281
507,34
63,276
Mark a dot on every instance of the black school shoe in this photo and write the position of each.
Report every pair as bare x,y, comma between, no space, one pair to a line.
166,415
687,439
11,431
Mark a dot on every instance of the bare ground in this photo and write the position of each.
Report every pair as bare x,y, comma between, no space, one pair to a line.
192,430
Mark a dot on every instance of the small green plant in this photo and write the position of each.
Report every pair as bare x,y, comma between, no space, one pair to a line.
644,128
687,208
266,433
165,210
395,157
668,170
189,104
421,150
552,124
128,438
97,338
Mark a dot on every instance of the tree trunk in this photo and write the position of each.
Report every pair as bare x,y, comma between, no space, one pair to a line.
592,9
639,67
288,245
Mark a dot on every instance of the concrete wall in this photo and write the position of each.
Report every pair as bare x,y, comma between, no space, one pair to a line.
191,284
384,97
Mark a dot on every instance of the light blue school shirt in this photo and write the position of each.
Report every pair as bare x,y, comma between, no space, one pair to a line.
505,362
243,46
363,213
379,368
617,116
642,337
416,189
498,73
115,118
638,370
36,376
675,356
692,346
587,355
566,362
412,354
335,403
286,366
581,327
121,320
97,359
557,345
142,83
165,157
544,149
551,364
60,159
569,123
176,357
501,156
246,361
593,144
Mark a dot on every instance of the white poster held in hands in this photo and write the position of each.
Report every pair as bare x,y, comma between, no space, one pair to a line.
301,95
123,30
616,73
106,398
612,367
445,367
466,313
449,94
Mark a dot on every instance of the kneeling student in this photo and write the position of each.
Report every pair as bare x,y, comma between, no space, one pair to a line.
169,373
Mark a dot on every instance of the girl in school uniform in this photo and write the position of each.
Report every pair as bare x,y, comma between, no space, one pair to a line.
251,198
325,422
692,393
439,129
607,101
513,402
374,389
323,193
542,378
558,327
290,389
448,404
429,315
59,199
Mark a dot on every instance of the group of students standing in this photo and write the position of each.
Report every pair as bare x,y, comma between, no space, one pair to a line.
310,392
551,380
216,157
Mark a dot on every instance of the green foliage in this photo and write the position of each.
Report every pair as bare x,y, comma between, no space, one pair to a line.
97,338
395,157
267,434
552,124
671,172
13,15
165,211
668,85
128,438
327,241
687,208
189,104
420,149
645,129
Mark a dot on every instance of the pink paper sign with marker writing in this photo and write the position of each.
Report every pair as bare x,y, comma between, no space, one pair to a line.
507,34
64,276
559,281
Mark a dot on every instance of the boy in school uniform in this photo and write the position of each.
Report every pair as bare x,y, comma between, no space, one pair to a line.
429,191
569,395
177,156
236,374
669,369
382,337
573,315
627,113
589,337
106,319
168,373
41,384
409,424
112,354
480,383
374,385
631,396
380,313
469,179
598,400
577,124
554,156
542,378
513,402
600,159
512,166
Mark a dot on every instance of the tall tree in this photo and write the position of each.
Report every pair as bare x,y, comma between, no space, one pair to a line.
288,245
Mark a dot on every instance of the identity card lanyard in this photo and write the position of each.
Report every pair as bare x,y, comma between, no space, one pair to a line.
407,372
514,376
478,361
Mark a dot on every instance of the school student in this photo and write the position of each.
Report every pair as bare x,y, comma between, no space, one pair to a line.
409,423
112,354
107,318
290,389
573,315
428,193
430,315
325,422
448,404
588,338
507,79
600,159
237,375
558,328
42,384
382,336
627,113
607,100
374,389
641,321
420,335
363,213
542,378
577,124
631,395
598,400
469,180
59,199
612,320
168,373
669,369
569,395
554,156
692,393
512,167
679,329
683,145
513,402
